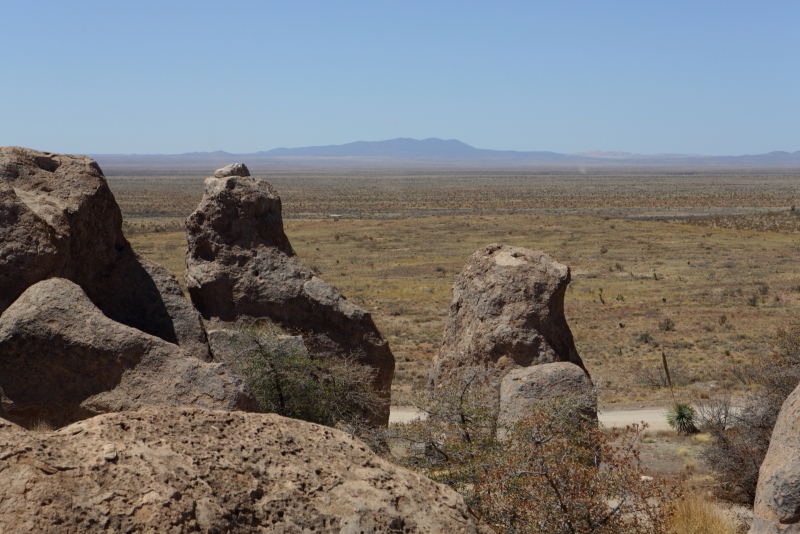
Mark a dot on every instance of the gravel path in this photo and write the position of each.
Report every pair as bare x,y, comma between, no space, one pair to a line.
655,417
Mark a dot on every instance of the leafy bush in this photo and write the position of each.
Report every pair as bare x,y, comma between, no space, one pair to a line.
286,381
645,337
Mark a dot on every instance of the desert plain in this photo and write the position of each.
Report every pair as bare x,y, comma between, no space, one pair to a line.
701,264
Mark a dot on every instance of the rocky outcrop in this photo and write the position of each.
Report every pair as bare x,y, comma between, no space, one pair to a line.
777,503
507,312
194,470
240,264
62,360
524,389
58,218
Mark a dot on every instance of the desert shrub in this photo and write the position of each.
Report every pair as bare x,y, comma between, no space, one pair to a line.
741,436
681,417
554,472
285,380
645,337
666,325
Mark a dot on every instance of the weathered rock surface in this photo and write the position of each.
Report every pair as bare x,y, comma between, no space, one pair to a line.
193,470
777,503
507,312
240,264
522,390
62,360
58,218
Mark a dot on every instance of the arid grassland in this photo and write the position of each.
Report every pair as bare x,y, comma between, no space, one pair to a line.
710,294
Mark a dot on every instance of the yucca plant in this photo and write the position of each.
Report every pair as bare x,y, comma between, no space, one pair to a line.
681,417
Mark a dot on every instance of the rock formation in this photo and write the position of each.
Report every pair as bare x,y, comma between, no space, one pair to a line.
777,503
62,360
523,389
58,218
507,312
195,470
240,264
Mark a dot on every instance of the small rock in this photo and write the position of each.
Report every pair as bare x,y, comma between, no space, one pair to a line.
234,169
523,389
109,452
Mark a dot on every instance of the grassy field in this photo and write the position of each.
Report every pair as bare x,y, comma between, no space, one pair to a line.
710,298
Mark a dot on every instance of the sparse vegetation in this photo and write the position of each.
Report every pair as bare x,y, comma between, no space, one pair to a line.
554,472
741,434
286,381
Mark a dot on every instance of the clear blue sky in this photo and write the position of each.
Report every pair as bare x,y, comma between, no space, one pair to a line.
169,77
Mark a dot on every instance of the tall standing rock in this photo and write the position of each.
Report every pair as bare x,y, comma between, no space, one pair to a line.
58,218
777,503
507,312
240,264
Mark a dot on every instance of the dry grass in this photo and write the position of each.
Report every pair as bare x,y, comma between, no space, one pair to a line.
696,514
40,425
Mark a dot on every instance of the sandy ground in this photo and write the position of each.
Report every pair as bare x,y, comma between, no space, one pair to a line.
655,417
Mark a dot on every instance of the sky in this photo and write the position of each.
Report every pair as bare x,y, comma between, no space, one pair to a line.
148,77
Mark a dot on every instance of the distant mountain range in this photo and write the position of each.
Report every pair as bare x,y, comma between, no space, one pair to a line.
431,152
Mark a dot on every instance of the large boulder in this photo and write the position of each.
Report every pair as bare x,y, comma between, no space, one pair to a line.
62,360
777,503
523,390
507,312
58,218
194,470
240,264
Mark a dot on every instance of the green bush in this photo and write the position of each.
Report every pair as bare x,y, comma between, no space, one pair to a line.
286,381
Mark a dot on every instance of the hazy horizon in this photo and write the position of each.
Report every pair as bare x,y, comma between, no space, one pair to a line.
598,153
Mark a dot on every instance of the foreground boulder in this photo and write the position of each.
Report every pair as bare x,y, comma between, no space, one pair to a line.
62,360
240,264
777,503
194,470
522,390
507,312
58,218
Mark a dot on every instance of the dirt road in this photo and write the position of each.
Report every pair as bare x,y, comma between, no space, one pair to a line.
655,417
